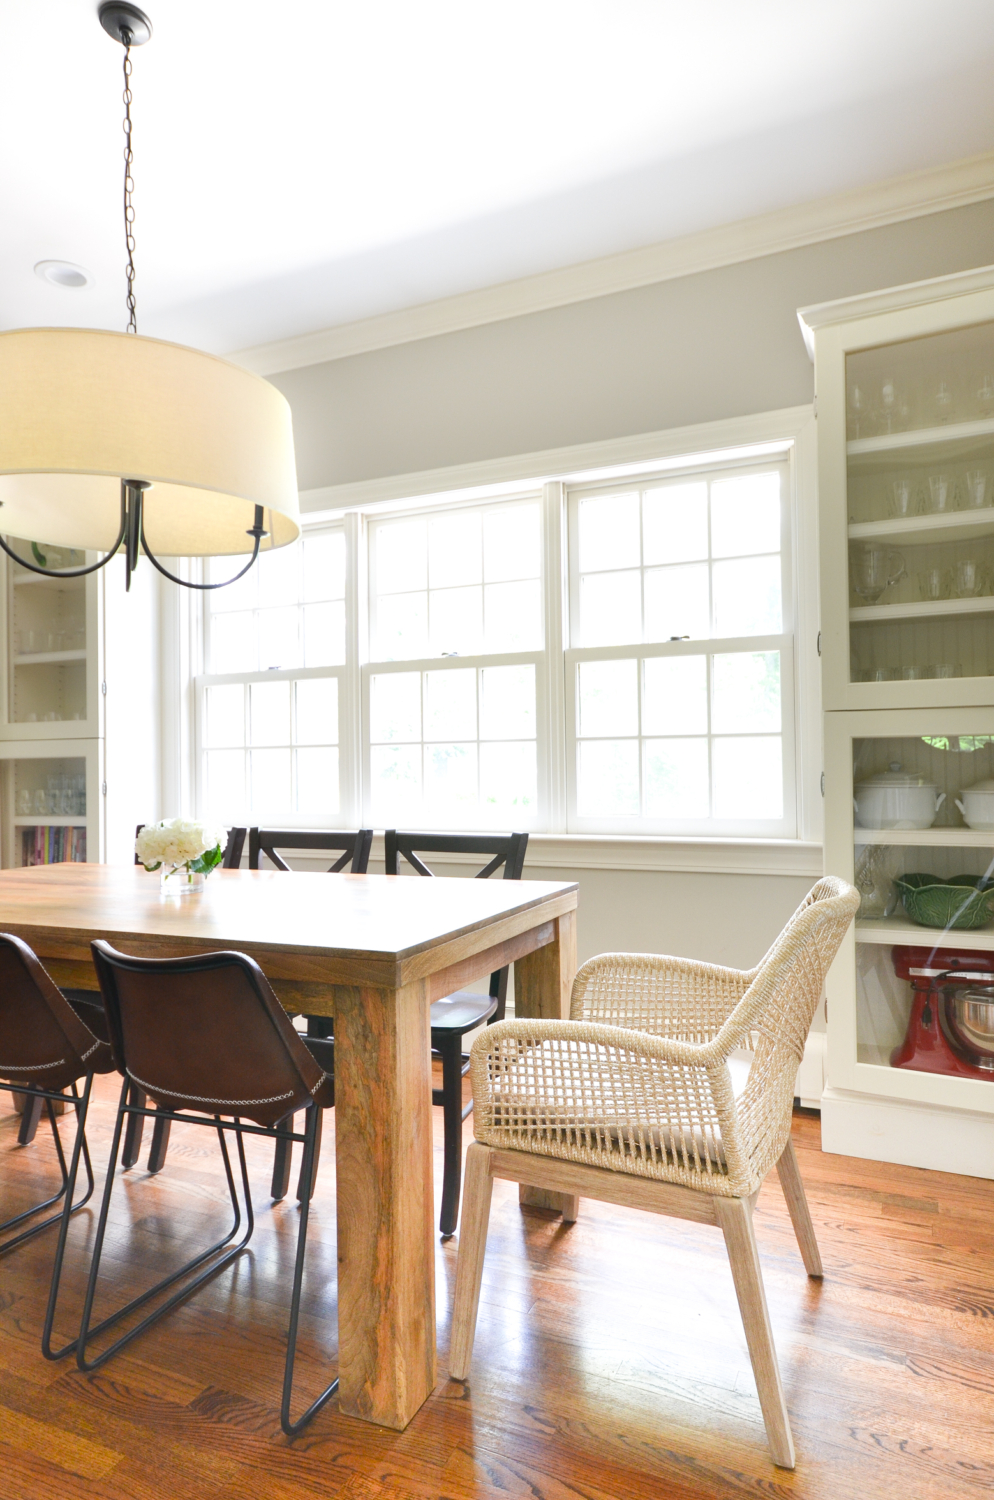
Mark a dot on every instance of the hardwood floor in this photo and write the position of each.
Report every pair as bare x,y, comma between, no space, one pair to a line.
610,1362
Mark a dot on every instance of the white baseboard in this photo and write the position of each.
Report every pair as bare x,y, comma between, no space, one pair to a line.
909,1135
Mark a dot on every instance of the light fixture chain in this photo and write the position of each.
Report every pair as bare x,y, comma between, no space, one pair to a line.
129,186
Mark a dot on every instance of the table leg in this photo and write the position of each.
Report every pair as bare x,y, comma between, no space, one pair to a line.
543,982
386,1270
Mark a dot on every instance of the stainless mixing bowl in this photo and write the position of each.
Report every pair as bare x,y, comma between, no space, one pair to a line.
970,1014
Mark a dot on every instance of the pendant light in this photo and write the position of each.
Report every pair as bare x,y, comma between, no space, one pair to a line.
111,440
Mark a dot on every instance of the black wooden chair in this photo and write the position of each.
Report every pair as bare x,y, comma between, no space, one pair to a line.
462,1012
353,852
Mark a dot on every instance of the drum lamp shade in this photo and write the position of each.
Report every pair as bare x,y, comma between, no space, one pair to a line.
82,409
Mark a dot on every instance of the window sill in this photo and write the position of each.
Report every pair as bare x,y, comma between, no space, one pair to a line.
727,856
606,851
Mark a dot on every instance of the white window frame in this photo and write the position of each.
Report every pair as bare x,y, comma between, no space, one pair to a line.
790,433
715,467
343,673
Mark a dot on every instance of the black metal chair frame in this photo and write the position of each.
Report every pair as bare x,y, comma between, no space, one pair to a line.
34,1099
355,853
127,1109
446,1041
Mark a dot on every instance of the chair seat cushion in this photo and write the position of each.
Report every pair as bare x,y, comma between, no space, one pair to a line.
613,1136
462,1011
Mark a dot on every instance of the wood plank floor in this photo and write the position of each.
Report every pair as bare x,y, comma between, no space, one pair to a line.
610,1361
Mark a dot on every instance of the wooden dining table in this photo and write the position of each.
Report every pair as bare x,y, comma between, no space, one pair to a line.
373,951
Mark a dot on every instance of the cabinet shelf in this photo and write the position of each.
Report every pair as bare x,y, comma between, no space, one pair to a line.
924,609
923,838
958,526
46,658
50,820
921,437
909,934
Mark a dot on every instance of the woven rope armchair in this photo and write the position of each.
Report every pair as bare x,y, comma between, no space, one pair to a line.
669,1088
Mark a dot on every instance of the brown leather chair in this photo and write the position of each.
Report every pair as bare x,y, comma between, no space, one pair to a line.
44,1049
207,1041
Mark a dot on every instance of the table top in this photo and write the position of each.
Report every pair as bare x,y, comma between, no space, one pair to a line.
383,929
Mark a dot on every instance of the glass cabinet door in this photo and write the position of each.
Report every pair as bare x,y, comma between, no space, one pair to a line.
920,494
49,625
45,800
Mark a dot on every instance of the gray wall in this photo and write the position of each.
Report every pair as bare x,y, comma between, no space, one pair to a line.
719,344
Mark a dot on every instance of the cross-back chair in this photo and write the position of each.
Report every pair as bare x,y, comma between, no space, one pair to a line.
634,1101
464,1011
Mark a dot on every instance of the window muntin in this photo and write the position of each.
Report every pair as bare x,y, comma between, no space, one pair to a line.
696,556
287,612
462,581
270,749
657,735
683,741
453,746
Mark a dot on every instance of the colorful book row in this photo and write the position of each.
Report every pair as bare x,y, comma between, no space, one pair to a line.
45,845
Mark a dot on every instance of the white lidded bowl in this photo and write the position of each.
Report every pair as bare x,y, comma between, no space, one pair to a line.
897,799
977,805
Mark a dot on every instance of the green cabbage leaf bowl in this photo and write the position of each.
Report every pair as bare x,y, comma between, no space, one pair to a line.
965,901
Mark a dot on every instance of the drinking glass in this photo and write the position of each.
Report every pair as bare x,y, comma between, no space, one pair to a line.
910,674
940,492
41,802
985,397
23,802
968,579
976,488
932,583
857,410
903,498
942,398
875,569
880,674
888,404
946,669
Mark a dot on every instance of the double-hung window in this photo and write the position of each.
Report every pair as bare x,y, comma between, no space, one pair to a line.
269,704
594,657
679,680
456,668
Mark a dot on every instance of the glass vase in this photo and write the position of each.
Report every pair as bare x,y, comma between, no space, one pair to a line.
180,880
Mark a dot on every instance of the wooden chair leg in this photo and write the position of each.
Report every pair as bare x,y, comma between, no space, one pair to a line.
451,1051
281,1165
797,1205
735,1218
30,1116
159,1146
318,1126
134,1129
477,1192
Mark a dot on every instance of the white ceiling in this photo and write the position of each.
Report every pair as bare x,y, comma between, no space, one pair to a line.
308,163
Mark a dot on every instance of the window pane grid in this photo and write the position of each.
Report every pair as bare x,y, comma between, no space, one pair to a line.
691,558
686,739
270,750
456,583
287,612
454,746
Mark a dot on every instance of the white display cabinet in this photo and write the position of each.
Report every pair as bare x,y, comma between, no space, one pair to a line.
79,726
905,392
905,403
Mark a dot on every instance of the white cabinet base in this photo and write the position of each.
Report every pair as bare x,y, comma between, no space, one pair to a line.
910,1135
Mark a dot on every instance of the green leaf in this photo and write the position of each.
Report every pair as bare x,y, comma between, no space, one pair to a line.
207,861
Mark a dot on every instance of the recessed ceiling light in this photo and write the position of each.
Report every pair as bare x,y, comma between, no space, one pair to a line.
63,273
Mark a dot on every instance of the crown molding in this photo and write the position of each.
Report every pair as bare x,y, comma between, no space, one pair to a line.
747,436
892,299
912,196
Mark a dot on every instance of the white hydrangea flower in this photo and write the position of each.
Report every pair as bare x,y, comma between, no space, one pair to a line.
177,841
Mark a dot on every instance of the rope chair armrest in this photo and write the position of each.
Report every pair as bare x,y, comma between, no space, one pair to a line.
651,992
628,1100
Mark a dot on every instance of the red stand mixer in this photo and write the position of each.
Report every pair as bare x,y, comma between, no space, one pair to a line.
951,1026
